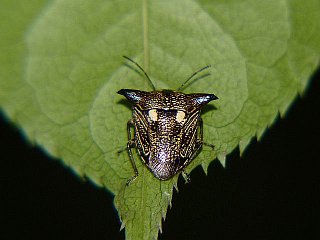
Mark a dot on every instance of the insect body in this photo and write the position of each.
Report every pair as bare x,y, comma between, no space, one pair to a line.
167,128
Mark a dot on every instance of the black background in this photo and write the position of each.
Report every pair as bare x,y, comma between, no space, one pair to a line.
270,193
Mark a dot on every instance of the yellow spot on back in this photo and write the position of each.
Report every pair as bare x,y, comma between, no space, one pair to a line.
180,116
153,115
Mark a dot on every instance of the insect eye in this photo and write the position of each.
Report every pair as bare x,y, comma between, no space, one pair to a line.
153,114
180,116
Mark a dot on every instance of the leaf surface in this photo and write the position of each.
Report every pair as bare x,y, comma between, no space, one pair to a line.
61,67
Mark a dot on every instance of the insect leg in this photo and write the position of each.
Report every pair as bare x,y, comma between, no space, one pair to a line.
122,150
201,135
131,144
198,145
185,175
129,124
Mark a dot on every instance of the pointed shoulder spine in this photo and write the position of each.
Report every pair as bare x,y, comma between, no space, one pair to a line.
132,95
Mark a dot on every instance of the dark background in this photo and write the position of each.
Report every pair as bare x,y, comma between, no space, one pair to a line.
270,193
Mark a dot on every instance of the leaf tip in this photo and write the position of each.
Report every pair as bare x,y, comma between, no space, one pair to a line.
123,225
243,145
222,159
168,199
175,185
205,166
160,227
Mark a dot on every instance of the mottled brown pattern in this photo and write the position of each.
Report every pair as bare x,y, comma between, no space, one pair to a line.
165,142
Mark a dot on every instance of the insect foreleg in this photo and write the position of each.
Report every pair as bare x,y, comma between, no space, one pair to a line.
131,144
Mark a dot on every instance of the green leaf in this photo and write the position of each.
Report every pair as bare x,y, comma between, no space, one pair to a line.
61,66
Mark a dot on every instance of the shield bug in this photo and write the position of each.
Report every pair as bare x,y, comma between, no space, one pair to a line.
168,129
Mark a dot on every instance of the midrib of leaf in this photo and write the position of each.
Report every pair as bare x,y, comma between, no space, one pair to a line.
146,47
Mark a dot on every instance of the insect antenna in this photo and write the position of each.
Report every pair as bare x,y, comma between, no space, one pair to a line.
151,83
195,73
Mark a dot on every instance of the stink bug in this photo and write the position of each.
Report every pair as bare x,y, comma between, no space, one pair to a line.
168,129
